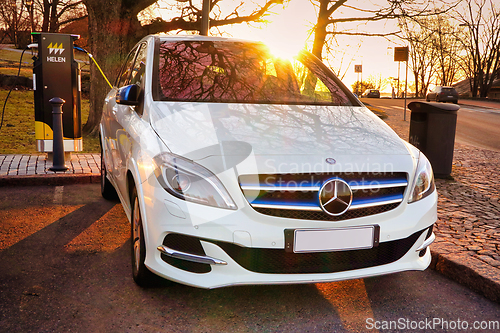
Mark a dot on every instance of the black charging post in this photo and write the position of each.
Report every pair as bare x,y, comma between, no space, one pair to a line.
56,73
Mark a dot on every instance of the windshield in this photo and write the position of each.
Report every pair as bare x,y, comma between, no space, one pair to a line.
242,72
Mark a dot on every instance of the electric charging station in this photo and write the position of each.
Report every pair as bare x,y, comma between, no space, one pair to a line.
57,74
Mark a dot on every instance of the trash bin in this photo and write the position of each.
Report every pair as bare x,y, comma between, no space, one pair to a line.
432,130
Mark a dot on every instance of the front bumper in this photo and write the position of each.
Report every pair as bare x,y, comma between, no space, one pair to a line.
231,273
245,247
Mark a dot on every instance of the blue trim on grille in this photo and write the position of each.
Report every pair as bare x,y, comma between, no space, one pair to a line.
283,187
378,182
356,201
285,203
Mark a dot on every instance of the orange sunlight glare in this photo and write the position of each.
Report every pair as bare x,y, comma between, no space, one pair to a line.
350,300
285,32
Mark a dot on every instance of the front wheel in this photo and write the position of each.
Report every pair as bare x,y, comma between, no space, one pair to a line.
141,274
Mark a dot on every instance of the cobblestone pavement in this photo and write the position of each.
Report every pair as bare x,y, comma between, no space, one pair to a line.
39,164
34,170
469,205
467,246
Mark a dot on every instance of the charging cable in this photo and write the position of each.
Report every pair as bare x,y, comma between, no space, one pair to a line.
19,71
6,98
95,62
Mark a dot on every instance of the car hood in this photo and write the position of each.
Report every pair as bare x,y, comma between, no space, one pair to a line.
200,131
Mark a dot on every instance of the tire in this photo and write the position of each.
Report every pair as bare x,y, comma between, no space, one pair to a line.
108,192
140,273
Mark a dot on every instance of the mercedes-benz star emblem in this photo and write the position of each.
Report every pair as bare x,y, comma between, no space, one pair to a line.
335,197
330,160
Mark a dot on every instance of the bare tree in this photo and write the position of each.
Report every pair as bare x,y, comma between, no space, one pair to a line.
328,24
422,53
57,13
14,18
481,20
448,47
114,28
377,81
338,57
435,50
189,15
361,86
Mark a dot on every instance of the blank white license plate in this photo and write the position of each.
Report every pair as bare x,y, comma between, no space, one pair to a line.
339,239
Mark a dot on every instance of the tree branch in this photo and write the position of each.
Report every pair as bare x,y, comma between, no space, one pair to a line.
184,22
345,33
74,19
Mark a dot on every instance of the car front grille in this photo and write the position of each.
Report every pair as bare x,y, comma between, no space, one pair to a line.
296,196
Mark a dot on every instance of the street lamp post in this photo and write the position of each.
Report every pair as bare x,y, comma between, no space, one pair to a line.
401,54
205,20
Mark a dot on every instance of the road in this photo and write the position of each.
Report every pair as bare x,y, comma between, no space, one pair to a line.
478,124
66,267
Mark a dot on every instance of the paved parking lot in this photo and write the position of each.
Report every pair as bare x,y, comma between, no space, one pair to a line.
65,258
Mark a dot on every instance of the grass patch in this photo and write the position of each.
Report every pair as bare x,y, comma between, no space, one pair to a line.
8,69
17,135
15,55
9,63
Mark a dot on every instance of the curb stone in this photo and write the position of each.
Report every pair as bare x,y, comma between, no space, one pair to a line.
49,180
468,271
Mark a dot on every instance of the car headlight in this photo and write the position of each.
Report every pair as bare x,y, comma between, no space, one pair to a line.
423,184
189,181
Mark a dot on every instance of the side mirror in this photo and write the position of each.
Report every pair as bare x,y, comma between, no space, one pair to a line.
128,95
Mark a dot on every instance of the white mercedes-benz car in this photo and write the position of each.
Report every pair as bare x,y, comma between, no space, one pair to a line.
236,166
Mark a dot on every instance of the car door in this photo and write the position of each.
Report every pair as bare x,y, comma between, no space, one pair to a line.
128,119
110,127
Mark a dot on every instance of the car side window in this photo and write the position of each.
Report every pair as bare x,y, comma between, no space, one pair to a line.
137,75
139,68
124,76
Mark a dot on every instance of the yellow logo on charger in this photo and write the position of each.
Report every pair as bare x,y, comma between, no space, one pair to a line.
56,49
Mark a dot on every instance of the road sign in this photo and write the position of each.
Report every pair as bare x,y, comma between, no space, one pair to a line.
358,68
401,53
